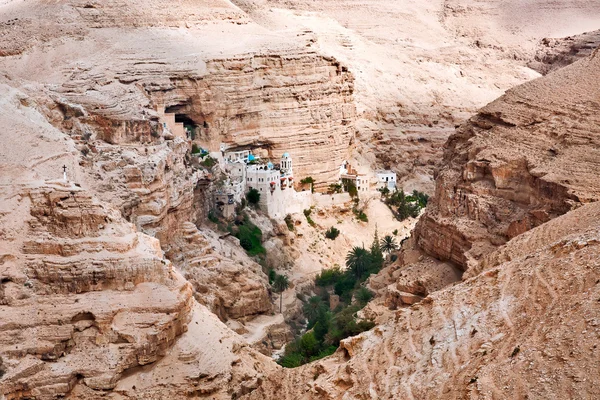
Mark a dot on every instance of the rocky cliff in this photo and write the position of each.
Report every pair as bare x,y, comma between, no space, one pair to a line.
84,296
522,160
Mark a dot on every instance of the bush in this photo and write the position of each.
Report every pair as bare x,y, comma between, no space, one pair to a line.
272,275
250,237
308,218
212,217
344,287
291,360
253,196
195,149
209,162
407,206
308,180
363,296
328,277
332,233
362,216
334,188
289,222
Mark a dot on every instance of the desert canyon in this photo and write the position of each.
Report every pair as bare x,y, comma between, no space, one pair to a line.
118,280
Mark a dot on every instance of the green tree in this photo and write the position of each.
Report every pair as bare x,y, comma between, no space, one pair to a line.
312,308
253,196
388,244
280,284
322,325
376,254
358,261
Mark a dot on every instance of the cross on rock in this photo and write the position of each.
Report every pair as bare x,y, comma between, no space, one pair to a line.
64,167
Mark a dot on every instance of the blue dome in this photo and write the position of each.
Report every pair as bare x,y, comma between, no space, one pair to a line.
251,157
270,165
285,155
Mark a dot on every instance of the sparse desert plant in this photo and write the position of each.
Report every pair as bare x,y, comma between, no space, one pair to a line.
332,233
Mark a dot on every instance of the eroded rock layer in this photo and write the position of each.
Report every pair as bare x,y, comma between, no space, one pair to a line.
522,160
84,296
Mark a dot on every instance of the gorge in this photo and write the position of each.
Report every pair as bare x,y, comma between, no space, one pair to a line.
122,281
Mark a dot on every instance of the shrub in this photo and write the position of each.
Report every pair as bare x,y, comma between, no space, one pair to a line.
332,233
272,275
344,287
289,222
308,218
308,180
334,188
250,237
253,196
195,149
209,162
362,216
328,277
212,217
291,360
363,296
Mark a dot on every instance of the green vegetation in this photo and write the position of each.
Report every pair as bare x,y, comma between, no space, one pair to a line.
404,206
212,217
195,149
350,187
307,180
327,327
332,233
308,218
272,276
250,236
361,216
388,244
358,212
363,296
289,222
280,284
334,188
395,232
253,196
209,162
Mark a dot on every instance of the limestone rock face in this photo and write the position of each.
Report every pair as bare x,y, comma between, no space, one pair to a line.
231,287
555,53
84,296
522,160
296,102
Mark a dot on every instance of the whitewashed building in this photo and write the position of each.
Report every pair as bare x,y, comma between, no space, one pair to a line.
386,178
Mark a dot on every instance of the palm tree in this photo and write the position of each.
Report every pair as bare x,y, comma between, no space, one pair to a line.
388,244
279,285
358,261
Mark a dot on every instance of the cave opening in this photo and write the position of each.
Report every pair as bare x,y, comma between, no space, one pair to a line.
192,129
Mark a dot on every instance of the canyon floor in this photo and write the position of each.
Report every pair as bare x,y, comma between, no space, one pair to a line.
115,284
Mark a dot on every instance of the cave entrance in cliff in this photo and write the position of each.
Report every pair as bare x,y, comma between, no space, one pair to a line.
192,129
